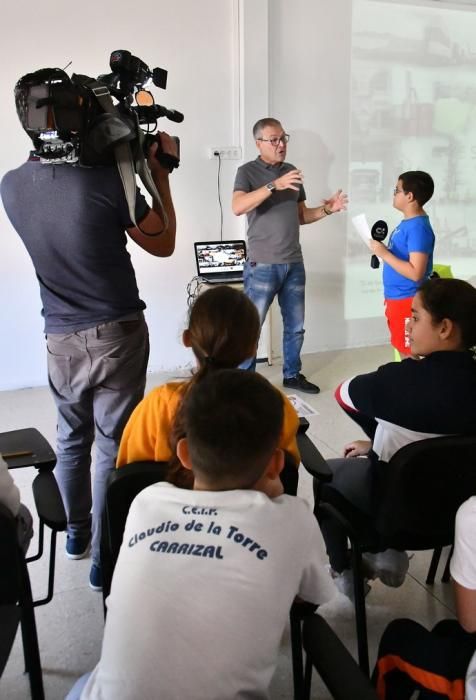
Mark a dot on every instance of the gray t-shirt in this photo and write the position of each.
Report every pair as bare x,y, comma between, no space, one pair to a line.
273,226
72,221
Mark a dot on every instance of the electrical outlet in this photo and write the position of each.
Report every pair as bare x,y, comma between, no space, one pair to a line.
226,152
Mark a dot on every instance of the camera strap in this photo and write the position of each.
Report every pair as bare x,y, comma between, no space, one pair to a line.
125,162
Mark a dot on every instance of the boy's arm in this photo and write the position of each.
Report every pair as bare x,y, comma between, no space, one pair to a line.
465,607
463,565
413,269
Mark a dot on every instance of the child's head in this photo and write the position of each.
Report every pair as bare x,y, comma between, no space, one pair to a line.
232,423
443,317
223,328
414,187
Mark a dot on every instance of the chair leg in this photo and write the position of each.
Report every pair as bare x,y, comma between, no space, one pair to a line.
435,560
296,655
360,612
446,573
32,654
307,677
30,641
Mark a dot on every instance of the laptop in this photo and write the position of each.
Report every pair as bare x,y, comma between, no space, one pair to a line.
220,262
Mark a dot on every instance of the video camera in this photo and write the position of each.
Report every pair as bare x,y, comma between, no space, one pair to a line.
74,120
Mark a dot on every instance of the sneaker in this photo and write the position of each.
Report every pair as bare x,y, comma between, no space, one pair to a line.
95,578
300,383
390,566
344,583
77,547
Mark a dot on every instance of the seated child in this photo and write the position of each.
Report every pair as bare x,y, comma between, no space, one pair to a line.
438,662
223,331
205,578
10,498
403,402
408,259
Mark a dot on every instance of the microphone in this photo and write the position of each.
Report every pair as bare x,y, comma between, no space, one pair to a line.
171,114
149,113
378,232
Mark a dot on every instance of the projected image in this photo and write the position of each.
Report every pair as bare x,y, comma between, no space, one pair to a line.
413,108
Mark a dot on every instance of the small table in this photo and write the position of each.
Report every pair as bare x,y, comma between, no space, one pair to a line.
26,448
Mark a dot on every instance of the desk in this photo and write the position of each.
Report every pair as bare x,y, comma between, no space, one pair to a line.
26,448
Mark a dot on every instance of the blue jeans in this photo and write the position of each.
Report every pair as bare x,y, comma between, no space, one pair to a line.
261,284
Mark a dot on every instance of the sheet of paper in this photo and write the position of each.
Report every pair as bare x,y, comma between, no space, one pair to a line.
303,409
362,227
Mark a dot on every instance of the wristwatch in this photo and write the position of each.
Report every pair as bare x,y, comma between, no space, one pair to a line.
270,186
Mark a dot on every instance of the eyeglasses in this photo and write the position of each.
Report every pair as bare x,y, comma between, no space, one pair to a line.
397,191
276,141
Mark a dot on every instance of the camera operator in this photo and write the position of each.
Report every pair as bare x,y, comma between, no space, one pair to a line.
73,222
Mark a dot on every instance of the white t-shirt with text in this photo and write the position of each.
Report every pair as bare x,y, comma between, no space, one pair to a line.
201,594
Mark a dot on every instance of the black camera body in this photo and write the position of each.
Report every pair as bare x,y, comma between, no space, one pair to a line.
74,120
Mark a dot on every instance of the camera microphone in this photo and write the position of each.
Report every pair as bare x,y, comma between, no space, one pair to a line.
378,232
148,114
171,114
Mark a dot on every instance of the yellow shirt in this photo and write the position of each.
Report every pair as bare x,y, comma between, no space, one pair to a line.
146,435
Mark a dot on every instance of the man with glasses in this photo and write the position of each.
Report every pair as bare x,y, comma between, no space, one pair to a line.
270,192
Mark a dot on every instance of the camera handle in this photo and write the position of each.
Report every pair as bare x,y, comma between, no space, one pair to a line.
125,162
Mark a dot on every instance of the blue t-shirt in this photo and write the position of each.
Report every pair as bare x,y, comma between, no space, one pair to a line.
72,221
410,236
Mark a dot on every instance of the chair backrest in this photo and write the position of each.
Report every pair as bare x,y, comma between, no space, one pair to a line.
124,485
419,491
15,593
10,584
9,558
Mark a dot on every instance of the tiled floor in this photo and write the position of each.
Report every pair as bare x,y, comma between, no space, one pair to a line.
70,627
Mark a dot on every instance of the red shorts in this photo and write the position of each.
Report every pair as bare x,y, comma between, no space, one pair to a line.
398,313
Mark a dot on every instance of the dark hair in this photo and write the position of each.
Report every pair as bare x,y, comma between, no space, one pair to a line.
233,420
262,124
419,183
223,330
455,300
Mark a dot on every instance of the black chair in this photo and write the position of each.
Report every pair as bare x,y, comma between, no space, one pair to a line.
315,464
16,603
333,662
416,498
28,448
123,486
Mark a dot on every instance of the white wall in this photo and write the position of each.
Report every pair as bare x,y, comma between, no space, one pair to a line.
229,62
194,42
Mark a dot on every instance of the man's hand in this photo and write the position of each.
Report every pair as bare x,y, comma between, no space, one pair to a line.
168,146
357,448
378,248
338,202
289,181
152,235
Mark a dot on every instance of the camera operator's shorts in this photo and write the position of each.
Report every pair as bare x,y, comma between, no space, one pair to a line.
399,313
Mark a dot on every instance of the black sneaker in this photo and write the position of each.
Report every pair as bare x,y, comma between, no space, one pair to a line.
300,383
95,578
77,547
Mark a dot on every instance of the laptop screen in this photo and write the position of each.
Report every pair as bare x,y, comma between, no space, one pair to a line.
220,257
